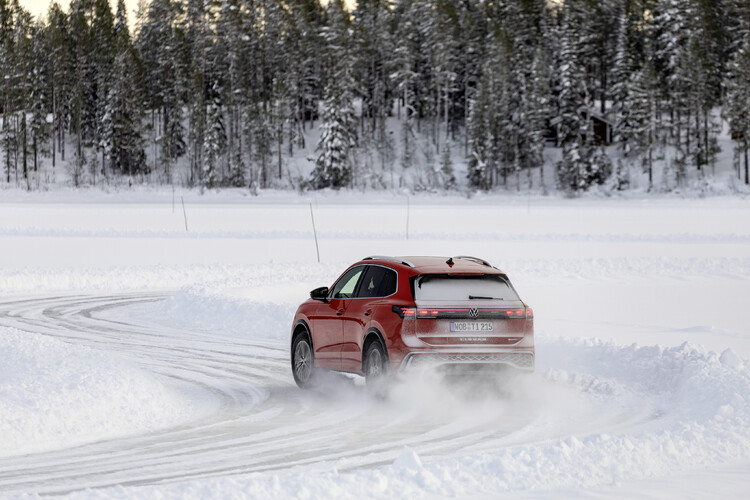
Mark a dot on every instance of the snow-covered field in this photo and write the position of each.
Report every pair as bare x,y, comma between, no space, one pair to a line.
141,359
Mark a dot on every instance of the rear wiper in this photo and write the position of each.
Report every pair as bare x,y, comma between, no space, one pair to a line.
479,297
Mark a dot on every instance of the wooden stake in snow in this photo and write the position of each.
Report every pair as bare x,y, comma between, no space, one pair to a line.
315,233
184,214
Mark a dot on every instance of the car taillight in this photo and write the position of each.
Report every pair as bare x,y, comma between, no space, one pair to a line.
416,312
405,311
413,312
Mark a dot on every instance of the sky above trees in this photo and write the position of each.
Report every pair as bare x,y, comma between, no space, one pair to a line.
40,7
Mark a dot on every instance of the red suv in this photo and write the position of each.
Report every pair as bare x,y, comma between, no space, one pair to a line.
386,314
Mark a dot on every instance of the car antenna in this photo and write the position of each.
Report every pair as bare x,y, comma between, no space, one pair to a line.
449,261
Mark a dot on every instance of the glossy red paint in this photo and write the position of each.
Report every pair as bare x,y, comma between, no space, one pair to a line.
342,323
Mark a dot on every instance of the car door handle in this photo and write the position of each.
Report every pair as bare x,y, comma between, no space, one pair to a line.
339,312
368,312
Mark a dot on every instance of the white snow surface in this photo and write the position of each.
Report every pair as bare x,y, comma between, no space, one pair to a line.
55,395
642,386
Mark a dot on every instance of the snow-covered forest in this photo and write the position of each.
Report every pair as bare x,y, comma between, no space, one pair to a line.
422,94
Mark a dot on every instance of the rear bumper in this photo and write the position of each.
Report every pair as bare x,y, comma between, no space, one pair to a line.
522,360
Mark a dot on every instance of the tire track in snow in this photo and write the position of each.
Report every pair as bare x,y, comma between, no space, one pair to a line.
263,422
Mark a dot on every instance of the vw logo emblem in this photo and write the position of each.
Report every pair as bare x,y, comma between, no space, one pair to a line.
473,312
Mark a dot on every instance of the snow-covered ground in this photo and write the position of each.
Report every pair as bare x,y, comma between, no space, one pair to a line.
141,359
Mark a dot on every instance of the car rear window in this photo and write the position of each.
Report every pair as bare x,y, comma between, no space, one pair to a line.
443,287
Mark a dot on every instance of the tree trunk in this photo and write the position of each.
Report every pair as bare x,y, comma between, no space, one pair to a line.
705,137
280,144
62,142
54,123
24,135
698,139
445,110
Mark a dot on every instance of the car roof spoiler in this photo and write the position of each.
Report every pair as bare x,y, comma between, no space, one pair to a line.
474,259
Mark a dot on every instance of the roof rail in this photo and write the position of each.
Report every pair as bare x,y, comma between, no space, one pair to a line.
474,259
386,257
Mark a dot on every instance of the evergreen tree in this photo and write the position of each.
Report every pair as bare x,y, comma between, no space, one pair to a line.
82,121
738,104
573,129
624,65
216,138
38,96
539,111
102,54
7,14
490,144
234,45
22,71
333,167
371,20
161,48
405,77
124,115
61,76
638,132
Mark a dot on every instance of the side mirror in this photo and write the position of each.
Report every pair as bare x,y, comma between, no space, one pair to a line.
320,294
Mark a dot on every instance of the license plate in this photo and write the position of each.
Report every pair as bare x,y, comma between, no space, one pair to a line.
471,326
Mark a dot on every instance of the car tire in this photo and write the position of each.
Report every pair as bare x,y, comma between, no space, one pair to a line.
303,361
375,367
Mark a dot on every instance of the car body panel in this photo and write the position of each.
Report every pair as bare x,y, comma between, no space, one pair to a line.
339,327
328,331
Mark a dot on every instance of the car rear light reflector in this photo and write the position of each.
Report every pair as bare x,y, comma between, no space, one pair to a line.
415,312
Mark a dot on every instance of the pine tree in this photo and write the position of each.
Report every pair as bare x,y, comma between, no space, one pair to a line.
61,76
124,137
102,55
480,142
333,167
7,10
82,123
162,49
24,49
216,138
490,143
738,104
529,100
573,129
638,132
445,64
473,31
371,21
539,111
624,65
446,168
405,77
38,96
225,76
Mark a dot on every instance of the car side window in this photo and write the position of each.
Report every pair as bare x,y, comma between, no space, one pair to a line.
345,287
378,282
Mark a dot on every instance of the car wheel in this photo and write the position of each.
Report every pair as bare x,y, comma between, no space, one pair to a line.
375,366
303,366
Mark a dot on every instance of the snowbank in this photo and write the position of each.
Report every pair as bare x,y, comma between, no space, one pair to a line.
54,395
683,408
602,414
